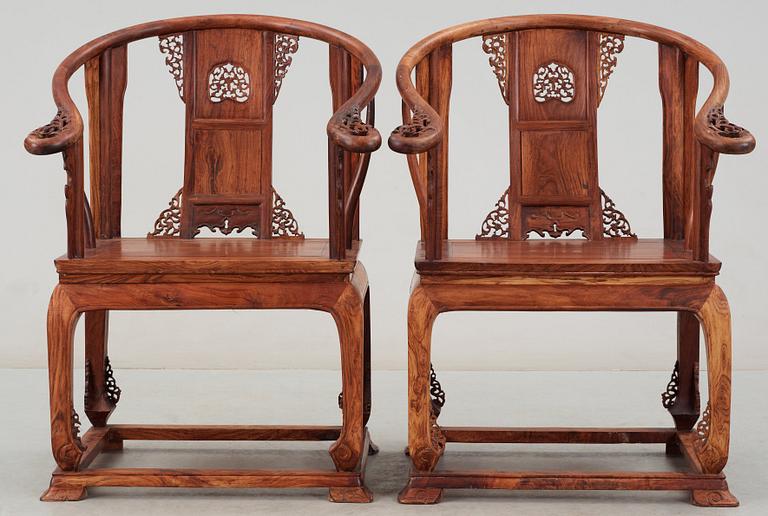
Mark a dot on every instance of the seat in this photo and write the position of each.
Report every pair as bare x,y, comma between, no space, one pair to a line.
228,71
541,257
553,72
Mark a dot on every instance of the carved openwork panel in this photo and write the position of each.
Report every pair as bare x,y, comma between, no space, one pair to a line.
553,81
172,46
229,81
554,221
496,46
611,46
669,396
284,225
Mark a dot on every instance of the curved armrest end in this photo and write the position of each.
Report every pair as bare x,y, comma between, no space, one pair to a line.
348,130
719,134
55,136
420,135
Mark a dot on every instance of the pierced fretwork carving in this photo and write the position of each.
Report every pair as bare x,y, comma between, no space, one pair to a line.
87,389
702,428
436,392
721,126
54,127
284,225
173,48
229,81
285,45
283,222
553,81
111,390
669,396
611,46
496,46
168,223
615,224
555,222
76,429
496,223
418,126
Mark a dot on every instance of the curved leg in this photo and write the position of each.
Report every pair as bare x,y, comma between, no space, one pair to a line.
347,451
62,318
425,440
714,428
367,401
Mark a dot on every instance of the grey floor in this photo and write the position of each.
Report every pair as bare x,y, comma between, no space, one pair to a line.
296,397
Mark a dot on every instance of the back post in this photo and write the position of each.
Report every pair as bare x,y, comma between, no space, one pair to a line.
105,82
438,74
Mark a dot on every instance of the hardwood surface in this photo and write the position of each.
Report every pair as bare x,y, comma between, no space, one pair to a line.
575,256
552,72
227,70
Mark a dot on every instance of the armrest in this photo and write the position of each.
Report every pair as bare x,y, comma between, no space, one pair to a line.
347,130
425,130
65,129
716,132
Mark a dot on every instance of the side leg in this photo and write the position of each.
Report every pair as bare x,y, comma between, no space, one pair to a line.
426,442
65,441
682,395
347,451
714,428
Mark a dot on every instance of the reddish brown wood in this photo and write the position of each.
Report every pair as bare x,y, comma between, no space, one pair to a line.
228,70
552,72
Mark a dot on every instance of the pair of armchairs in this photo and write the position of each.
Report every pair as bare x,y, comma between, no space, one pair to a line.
552,73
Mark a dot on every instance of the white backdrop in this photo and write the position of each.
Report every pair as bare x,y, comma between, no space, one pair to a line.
37,35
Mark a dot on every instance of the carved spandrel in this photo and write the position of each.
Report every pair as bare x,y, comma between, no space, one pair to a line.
611,46
172,46
285,46
496,46
669,396
168,223
496,223
615,224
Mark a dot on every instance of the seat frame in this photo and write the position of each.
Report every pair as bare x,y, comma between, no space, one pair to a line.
488,278
96,276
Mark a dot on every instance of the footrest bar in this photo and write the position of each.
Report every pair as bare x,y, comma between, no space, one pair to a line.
553,435
223,433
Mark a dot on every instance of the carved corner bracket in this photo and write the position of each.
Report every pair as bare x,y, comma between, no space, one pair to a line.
285,45
496,46
172,46
284,225
496,223
615,224
111,390
611,46
702,428
669,396
168,223
76,429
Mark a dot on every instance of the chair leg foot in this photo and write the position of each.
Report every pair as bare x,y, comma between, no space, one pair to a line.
359,494
64,493
703,498
372,448
420,495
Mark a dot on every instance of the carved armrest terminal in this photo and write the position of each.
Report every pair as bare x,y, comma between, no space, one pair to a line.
56,135
347,129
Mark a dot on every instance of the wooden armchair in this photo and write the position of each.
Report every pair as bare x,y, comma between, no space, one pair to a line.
552,72
228,70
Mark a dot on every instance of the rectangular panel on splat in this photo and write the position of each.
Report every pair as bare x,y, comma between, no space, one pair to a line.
228,84
552,108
